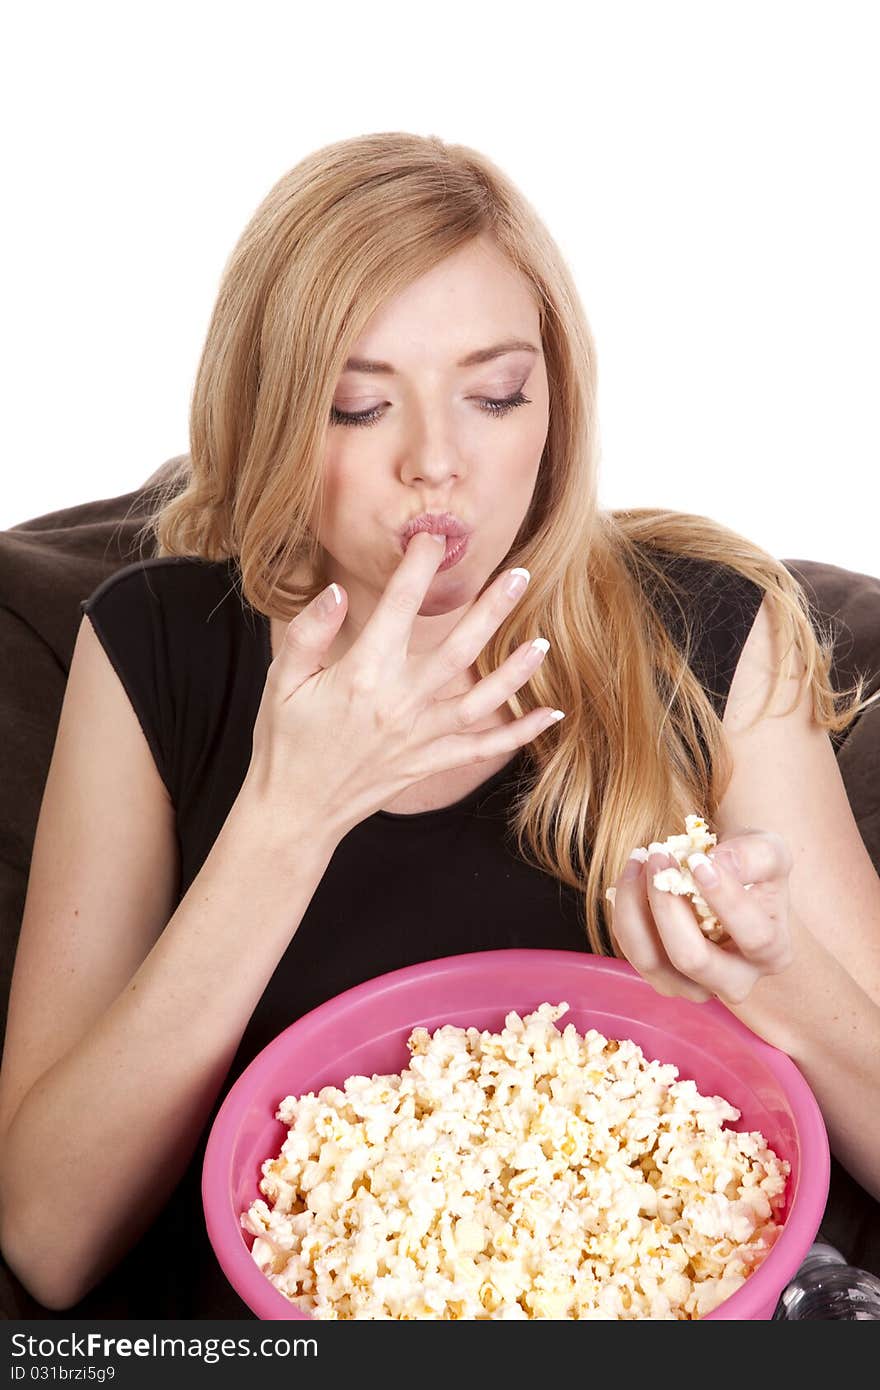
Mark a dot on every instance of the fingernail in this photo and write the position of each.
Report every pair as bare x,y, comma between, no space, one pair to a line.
726,858
703,870
441,539
516,582
329,600
632,870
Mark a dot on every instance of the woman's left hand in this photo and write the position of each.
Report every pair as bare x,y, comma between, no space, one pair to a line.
658,932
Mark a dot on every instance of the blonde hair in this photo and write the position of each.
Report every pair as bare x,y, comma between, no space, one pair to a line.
347,227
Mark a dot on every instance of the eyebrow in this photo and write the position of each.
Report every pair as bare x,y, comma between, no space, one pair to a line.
363,364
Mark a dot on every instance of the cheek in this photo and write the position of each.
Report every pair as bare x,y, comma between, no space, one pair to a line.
532,438
346,504
522,462
348,489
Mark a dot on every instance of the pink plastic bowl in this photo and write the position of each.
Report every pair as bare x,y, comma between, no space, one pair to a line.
364,1031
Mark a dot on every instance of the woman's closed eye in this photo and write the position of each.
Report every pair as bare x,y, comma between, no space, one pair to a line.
486,404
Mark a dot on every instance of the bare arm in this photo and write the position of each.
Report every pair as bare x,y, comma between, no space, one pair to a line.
802,963
124,1019
113,1123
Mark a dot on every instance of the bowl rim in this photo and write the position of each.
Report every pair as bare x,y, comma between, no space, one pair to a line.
226,1234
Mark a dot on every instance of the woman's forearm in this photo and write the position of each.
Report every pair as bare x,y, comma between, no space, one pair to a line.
100,1141
817,1013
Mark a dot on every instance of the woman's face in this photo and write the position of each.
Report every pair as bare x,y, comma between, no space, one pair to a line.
433,444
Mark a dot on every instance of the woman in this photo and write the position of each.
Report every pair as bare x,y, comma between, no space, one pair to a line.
313,796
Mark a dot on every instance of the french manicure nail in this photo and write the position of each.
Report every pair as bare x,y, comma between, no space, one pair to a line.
703,870
632,870
726,858
329,600
516,582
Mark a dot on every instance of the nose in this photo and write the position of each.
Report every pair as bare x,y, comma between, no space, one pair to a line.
433,460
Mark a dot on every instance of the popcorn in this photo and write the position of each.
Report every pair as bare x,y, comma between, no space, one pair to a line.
697,839
531,1173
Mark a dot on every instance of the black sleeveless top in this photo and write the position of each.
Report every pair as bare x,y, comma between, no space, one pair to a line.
192,656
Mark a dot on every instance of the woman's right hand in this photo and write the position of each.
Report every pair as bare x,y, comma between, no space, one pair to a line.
341,741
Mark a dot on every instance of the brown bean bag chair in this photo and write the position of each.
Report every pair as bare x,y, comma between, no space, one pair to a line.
49,564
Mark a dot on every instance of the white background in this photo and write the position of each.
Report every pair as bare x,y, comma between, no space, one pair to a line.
708,170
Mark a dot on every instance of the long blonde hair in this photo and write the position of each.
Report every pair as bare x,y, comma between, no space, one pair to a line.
347,227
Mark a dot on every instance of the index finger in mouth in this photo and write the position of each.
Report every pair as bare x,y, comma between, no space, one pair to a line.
389,626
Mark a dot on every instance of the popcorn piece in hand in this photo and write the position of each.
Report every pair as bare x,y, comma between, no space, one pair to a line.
697,839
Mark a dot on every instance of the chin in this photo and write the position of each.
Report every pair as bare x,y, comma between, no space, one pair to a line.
436,607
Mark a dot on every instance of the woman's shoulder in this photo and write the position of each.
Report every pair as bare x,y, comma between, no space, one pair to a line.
155,577
176,615
692,590
708,607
